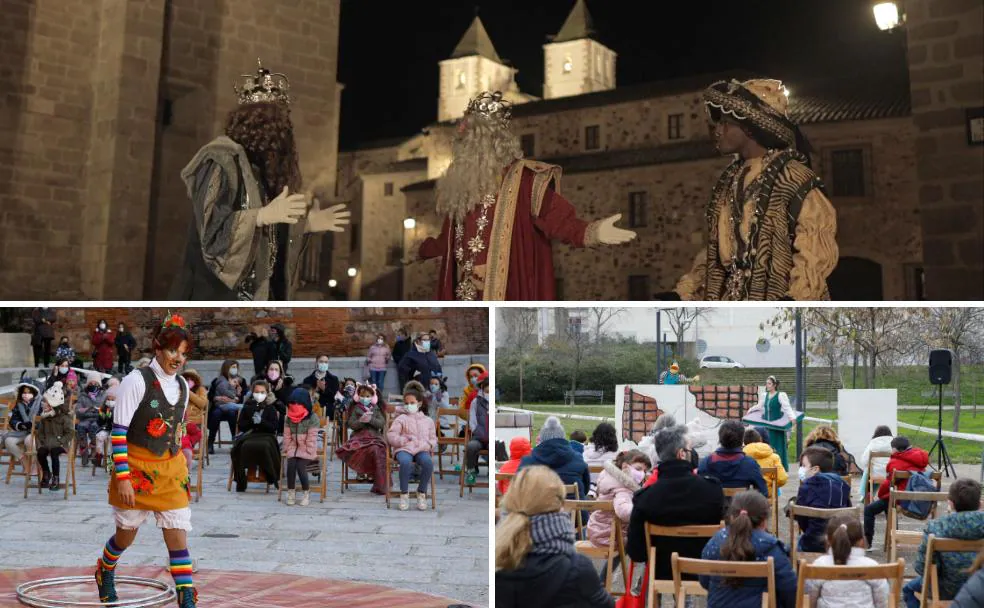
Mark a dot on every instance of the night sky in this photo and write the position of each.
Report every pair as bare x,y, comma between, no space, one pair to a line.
389,51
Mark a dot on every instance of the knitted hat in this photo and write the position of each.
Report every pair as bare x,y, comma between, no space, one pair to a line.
55,396
552,429
93,378
111,392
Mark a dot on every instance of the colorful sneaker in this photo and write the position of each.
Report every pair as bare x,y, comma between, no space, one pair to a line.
470,478
305,499
106,582
187,597
422,501
290,498
404,502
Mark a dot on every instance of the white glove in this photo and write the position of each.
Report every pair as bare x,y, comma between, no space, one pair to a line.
608,234
285,209
332,219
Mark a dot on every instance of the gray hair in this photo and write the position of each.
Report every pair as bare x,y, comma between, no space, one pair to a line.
668,439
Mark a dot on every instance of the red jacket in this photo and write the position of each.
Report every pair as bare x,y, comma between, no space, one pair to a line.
103,349
519,447
912,459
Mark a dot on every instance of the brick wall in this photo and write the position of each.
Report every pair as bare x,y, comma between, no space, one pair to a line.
946,63
219,332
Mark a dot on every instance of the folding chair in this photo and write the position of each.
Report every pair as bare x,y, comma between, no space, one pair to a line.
201,454
616,544
33,467
12,463
393,466
658,586
873,483
711,567
930,596
732,492
573,492
478,464
904,538
253,474
771,476
828,514
457,443
892,572
107,455
345,480
896,476
321,487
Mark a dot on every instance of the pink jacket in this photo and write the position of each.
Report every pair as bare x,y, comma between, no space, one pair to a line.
304,445
412,433
378,357
615,485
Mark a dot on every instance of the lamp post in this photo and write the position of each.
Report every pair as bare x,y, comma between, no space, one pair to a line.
889,16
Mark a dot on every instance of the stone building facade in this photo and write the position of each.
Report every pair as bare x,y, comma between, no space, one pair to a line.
106,101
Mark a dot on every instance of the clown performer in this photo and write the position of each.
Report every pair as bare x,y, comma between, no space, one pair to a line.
772,229
673,376
502,212
150,474
251,221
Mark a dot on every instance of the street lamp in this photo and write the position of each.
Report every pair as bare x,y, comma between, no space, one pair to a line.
888,15
332,283
352,271
409,223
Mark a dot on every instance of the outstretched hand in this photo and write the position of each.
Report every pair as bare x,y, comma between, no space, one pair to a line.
608,234
332,219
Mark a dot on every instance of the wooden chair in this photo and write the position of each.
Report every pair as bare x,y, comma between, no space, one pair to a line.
573,492
771,476
797,510
892,572
657,586
616,544
710,567
732,492
253,474
478,464
456,443
873,483
201,454
905,538
596,469
930,596
345,480
33,468
502,477
12,463
107,456
324,446
897,476
393,466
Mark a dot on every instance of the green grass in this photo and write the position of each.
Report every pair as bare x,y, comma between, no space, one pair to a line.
961,450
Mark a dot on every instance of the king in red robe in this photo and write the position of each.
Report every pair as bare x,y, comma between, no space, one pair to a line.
496,239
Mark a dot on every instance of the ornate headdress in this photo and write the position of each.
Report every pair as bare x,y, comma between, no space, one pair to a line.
490,106
174,320
761,103
263,86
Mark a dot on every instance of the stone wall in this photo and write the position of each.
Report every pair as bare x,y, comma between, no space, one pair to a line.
946,63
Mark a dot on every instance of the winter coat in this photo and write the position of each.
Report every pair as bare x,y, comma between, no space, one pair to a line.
122,341
197,404
468,393
765,456
378,357
912,459
734,469
412,433
20,426
952,566
87,407
551,581
749,593
103,349
678,498
65,352
615,485
972,593
578,447
878,444
56,431
479,420
519,447
301,438
557,455
377,422
594,458
269,416
426,364
264,351
326,397
43,323
822,491
848,594
400,348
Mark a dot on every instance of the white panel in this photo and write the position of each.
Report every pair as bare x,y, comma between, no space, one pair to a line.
859,411
680,402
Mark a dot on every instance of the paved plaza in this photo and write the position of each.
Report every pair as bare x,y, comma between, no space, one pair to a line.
348,538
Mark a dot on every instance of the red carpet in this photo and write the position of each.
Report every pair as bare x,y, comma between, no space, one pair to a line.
223,589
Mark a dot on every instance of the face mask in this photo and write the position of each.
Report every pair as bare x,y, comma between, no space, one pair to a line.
350,390
379,341
425,345
110,404
92,389
273,375
481,393
63,370
259,397
102,326
366,401
636,474
64,343
191,385
474,381
322,367
233,371
435,388
801,473
412,408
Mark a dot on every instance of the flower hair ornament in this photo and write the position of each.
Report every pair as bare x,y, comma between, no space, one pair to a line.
174,320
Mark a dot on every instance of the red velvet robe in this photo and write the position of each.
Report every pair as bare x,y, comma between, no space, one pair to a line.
531,271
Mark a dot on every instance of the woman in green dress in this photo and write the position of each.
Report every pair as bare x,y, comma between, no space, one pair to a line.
773,405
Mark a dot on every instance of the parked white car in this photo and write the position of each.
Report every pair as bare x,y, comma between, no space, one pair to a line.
719,362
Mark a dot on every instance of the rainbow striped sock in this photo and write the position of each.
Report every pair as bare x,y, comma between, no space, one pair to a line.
181,568
111,554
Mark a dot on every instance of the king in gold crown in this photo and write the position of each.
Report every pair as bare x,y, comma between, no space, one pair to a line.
490,106
264,86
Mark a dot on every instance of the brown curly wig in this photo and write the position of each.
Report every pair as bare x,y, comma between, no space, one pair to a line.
265,131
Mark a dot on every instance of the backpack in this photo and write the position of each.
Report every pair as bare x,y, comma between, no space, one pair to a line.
918,482
501,454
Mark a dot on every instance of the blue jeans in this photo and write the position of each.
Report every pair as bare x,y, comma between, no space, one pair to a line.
909,592
406,467
378,378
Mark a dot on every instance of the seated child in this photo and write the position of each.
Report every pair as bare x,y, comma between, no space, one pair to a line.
820,488
846,547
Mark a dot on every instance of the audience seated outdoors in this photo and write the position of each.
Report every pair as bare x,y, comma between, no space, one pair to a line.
618,483
904,458
825,436
519,448
820,488
765,456
846,547
881,441
555,452
729,464
971,595
602,448
578,439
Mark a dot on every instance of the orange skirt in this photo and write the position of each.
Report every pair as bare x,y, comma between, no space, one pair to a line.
160,483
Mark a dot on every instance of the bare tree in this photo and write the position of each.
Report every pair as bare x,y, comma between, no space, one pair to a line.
578,339
601,315
682,319
520,326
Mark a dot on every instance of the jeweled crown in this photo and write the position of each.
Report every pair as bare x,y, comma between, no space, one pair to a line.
263,86
491,106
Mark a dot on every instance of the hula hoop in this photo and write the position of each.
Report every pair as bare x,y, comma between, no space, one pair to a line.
164,596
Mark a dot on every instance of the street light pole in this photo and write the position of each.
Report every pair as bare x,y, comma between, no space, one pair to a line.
659,347
800,384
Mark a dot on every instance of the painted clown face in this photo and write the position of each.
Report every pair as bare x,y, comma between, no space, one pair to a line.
172,360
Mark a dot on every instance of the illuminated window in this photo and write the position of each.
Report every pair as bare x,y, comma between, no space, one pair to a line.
568,65
461,79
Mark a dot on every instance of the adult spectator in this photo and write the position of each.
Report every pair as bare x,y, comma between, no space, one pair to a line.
43,335
436,344
263,349
63,373
225,399
729,463
325,385
282,386
421,359
400,348
555,452
825,436
284,350
103,344
678,498
22,413
535,560
881,441
602,448
377,359
125,343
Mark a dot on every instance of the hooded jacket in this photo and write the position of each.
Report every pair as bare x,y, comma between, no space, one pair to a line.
749,593
912,459
469,391
877,444
615,485
557,581
558,455
197,398
765,456
734,469
822,491
972,593
519,447
20,426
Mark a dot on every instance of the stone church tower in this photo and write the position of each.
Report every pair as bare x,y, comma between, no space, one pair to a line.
474,66
574,62
107,100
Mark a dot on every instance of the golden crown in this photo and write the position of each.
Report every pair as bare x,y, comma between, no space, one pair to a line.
263,86
491,106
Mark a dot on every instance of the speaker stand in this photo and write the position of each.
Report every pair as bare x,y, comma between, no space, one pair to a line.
943,456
